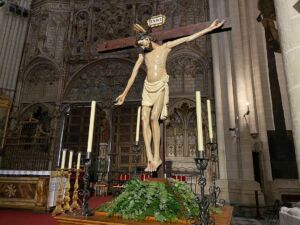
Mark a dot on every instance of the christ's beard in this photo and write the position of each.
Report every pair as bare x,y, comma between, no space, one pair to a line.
149,48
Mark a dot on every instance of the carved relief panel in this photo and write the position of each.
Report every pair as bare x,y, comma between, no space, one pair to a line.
112,21
81,28
41,84
46,35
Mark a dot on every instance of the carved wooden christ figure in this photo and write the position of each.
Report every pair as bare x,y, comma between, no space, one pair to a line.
155,95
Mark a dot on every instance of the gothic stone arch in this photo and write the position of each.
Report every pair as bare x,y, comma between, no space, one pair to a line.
104,80
40,81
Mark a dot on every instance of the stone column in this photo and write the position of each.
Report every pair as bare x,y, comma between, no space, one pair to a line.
13,29
259,67
233,87
288,19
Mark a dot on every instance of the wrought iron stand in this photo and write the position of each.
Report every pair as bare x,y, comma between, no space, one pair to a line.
86,211
214,190
136,150
203,201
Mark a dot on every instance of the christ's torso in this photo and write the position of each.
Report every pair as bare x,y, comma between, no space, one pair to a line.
156,63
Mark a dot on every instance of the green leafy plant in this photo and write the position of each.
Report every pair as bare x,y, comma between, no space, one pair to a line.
166,202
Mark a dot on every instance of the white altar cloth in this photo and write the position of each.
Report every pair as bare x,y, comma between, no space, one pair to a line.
25,172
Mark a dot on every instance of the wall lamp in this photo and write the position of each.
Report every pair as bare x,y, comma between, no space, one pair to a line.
248,110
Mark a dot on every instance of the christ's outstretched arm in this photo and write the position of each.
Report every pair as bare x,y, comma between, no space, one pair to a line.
121,98
215,25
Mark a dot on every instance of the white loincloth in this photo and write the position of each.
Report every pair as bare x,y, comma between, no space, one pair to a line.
152,91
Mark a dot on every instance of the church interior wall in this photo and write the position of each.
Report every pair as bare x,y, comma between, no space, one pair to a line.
60,68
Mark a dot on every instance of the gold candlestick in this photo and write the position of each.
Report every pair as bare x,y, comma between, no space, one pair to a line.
75,204
59,199
67,198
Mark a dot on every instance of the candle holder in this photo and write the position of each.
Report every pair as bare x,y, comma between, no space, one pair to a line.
59,199
67,198
136,150
75,204
202,199
214,190
86,211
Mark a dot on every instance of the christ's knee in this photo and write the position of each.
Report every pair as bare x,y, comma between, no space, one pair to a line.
145,121
154,120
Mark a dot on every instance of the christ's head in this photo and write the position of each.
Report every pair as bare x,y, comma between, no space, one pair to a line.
143,40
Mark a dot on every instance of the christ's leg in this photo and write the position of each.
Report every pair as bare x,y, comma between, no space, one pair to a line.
156,111
147,136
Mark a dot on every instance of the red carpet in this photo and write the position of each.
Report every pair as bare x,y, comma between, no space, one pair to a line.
22,217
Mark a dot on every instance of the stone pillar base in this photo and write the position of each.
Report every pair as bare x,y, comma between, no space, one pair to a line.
284,190
240,192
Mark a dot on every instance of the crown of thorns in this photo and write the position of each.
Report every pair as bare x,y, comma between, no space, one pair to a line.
141,33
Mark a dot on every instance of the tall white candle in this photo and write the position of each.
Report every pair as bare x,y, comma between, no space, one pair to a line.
199,121
78,160
63,159
138,119
91,127
210,131
70,159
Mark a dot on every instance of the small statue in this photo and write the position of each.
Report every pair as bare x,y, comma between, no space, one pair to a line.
155,95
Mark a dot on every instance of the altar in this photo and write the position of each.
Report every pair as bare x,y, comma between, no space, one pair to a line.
28,189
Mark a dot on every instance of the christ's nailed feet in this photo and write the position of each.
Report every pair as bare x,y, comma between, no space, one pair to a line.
157,163
150,167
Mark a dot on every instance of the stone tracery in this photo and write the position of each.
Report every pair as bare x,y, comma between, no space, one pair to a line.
105,76
184,71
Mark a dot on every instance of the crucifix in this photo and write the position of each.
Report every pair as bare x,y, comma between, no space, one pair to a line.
155,96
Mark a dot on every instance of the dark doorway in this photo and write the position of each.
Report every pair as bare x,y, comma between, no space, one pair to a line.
256,166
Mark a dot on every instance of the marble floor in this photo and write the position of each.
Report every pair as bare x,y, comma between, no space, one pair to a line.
247,221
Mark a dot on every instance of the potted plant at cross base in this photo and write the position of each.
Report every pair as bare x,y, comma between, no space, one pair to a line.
144,200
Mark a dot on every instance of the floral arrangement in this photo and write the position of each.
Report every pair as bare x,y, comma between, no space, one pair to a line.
169,201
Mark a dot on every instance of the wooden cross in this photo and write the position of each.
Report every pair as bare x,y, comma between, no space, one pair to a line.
162,35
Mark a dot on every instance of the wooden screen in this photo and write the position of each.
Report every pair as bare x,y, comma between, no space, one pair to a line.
77,128
124,125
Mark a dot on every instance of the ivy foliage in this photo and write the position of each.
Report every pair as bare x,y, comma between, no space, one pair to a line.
166,202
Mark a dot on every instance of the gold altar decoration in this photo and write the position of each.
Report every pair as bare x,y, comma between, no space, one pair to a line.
67,198
4,114
75,204
59,200
24,192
